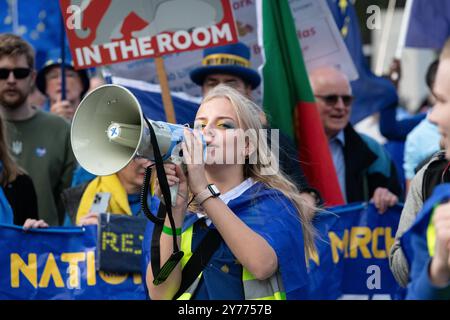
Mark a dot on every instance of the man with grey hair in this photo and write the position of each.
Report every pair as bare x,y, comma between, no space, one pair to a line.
365,170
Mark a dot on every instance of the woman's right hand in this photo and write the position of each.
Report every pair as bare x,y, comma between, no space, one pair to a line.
175,175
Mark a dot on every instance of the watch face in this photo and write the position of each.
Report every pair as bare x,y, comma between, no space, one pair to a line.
214,190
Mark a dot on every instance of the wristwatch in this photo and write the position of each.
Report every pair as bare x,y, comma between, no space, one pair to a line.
210,191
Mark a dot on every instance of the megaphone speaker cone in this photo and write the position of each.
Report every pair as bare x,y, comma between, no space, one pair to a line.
107,129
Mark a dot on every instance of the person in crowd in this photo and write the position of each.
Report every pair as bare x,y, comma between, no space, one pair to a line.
48,81
391,127
124,188
423,140
395,123
78,84
365,170
121,191
230,65
39,141
430,266
17,195
433,173
265,236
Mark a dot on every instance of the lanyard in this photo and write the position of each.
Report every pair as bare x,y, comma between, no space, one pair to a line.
160,274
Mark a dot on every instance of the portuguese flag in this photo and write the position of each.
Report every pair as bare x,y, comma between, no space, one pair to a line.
288,99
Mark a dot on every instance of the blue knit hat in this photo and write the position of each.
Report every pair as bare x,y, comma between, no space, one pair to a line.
231,59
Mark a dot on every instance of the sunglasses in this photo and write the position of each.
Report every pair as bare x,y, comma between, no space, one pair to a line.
19,73
332,99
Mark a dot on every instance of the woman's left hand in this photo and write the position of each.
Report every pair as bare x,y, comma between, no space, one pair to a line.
34,224
193,156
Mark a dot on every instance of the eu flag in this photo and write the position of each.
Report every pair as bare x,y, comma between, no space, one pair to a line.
38,22
429,24
372,93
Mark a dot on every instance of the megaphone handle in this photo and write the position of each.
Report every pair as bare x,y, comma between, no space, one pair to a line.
174,189
174,193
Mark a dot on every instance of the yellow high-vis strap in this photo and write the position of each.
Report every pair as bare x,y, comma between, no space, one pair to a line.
190,291
186,245
246,275
269,289
254,289
276,296
431,234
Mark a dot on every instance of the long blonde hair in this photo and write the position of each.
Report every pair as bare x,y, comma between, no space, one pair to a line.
247,113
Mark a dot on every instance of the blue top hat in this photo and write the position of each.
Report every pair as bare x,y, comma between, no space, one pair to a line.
231,59
54,59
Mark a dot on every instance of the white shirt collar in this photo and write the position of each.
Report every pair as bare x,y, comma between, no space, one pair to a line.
232,194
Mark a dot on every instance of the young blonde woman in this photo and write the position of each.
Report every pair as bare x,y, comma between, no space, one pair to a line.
266,240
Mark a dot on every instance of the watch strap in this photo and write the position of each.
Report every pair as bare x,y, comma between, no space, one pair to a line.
204,195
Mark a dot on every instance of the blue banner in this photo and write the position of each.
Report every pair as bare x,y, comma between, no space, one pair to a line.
372,93
58,263
353,254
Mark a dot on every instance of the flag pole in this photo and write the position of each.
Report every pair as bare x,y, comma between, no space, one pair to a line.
404,29
15,16
165,90
385,38
63,59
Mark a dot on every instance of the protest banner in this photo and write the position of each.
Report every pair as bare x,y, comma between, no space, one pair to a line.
119,246
353,254
102,32
315,28
59,263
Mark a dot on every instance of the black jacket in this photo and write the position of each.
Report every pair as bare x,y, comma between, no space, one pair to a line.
363,173
21,196
437,172
71,198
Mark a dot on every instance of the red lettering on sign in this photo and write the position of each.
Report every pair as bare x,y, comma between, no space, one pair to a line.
306,33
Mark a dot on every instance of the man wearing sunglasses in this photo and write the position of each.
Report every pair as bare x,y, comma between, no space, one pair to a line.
365,170
39,141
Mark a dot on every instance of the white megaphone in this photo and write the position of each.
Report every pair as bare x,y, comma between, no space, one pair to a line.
109,130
